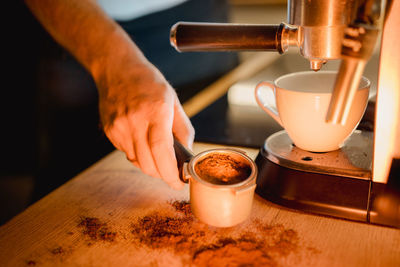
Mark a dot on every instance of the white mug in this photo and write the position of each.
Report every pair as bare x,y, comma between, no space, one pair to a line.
300,103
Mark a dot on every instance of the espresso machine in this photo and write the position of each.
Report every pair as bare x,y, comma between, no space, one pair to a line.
360,181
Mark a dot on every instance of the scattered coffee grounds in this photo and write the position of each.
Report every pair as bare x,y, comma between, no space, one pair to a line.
57,251
257,244
249,249
283,241
222,169
175,228
156,231
182,206
234,252
106,235
96,230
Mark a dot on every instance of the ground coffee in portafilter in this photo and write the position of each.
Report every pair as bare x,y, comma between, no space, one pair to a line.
222,169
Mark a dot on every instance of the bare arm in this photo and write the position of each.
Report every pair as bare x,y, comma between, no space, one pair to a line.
139,110
84,29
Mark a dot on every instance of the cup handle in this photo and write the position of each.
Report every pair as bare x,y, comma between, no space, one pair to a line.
270,110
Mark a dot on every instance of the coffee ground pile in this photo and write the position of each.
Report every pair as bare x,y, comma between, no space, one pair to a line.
96,229
208,246
222,169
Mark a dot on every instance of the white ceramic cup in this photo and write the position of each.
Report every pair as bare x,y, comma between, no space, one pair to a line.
299,103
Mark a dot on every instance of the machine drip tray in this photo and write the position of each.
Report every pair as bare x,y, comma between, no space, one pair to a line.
336,183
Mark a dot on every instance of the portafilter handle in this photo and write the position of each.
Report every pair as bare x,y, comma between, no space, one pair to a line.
182,155
196,36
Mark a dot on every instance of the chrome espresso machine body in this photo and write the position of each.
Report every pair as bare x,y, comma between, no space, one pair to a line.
361,180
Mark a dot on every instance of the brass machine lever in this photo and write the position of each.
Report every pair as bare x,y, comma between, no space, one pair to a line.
188,36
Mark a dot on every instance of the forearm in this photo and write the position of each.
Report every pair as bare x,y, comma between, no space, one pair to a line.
83,28
139,110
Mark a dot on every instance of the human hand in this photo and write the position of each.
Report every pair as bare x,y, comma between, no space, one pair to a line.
141,114
139,110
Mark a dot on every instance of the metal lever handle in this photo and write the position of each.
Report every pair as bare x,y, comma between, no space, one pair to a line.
187,36
182,155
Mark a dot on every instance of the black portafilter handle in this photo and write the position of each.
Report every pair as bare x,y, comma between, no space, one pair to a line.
182,155
197,36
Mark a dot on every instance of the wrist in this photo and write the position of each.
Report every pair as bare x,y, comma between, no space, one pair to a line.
119,58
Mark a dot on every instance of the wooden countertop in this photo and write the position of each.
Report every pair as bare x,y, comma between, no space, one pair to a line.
109,215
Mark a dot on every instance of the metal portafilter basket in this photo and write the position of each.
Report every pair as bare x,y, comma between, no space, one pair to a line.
213,201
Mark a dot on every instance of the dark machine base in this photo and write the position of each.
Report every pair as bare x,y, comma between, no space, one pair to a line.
307,188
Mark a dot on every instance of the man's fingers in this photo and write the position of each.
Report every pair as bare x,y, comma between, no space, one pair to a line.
120,137
161,144
133,161
182,127
142,150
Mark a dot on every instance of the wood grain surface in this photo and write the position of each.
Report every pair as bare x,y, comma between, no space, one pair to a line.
50,232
